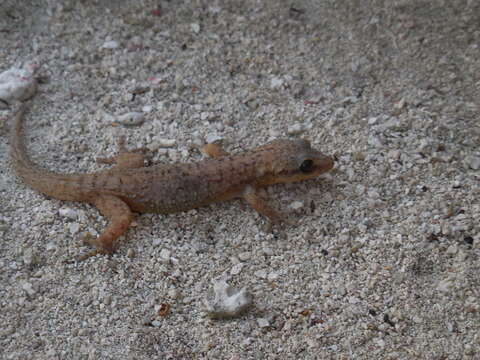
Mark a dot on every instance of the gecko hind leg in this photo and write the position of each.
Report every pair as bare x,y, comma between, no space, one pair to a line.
119,215
125,159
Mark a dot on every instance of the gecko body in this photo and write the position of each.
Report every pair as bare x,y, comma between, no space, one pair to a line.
130,186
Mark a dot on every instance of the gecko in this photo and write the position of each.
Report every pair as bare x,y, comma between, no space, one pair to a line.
131,187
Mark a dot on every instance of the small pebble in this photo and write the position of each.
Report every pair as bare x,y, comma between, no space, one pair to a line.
173,294
263,323
29,258
28,288
236,269
166,143
444,285
112,44
212,138
131,119
268,251
73,228
262,274
296,205
394,154
272,276
165,254
205,116
296,129
157,241
147,108
68,213
276,83
473,162
244,256
195,28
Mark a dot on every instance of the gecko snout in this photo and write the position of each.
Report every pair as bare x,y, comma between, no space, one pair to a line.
325,163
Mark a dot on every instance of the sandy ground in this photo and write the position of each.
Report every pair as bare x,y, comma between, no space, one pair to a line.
383,259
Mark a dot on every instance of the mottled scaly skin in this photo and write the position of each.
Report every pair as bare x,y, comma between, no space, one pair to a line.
167,188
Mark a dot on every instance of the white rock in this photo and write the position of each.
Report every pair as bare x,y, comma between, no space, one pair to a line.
73,228
212,138
166,143
268,251
157,241
237,269
394,154
244,256
276,83
417,319
165,254
18,84
473,162
112,44
360,189
131,119
263,323
195,28
205,115
28,257
380,342
68,213
274,133
227,301
262,274
297,205
147,108
274,275
163,143
296,129
452,250
173,294
445,285
28,288
374,141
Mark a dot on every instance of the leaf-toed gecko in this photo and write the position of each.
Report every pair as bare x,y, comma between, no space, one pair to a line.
166,188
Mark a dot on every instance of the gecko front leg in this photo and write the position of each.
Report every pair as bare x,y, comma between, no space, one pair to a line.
250,193
255,201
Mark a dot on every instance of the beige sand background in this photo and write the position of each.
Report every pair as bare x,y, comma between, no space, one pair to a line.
383,262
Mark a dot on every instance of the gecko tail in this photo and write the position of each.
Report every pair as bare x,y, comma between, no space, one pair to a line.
59,186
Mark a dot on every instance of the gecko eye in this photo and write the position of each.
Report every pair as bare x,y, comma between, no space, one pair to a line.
306,166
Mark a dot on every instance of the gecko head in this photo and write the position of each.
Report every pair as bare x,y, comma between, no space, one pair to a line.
288,160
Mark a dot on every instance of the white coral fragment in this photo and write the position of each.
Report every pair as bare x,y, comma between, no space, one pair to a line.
18,84
227,301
